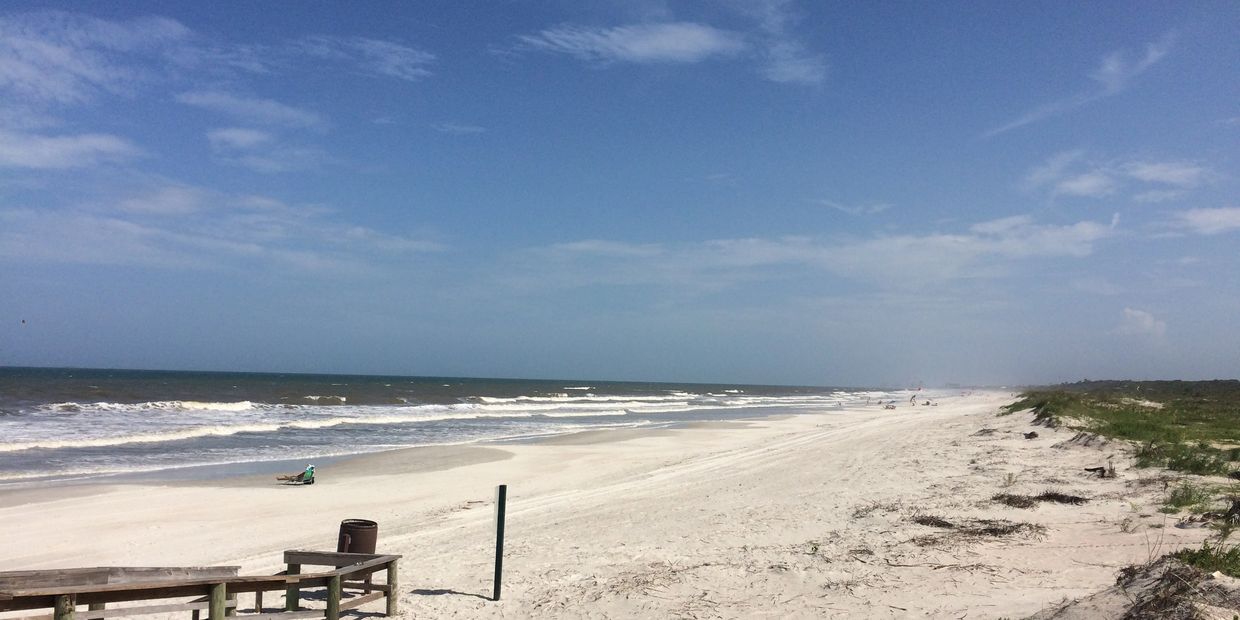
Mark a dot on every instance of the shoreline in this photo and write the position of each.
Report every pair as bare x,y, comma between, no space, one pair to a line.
236,472
803,516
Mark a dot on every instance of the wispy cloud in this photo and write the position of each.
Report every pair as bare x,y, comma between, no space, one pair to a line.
261,151
179,226
682,42
1177,173
601,247
170,200
26,150
1159,195
1208,221
1092,184
71,58
911,262
1054,168
785,58
855,209
373,56
237,138
789,62
1141,323
770,41
1114,74
255,110
1071,173
458,129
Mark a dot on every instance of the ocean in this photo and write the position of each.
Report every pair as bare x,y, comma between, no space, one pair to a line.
83,424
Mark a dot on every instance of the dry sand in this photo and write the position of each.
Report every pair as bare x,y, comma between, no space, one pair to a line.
804,516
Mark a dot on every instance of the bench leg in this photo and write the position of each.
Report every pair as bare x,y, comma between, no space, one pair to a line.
64,607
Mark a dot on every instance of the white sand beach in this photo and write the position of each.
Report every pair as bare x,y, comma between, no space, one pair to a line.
804,516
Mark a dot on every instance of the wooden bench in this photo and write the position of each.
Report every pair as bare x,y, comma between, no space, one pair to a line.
211,588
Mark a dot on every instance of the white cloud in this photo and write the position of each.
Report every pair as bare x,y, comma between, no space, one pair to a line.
1209,221
168,201
786,59
73,58
373,56
856,209
1054,169
237,138
1117,71
1158,195
1093,184
1069,173
389,243
1141,323
599,247
985,250
21,118
69,58
458,129
226,59
684,42
261,152
1113,75
25,150
177,226
261,111
1177,173
1097,286
770,42
281,159
789,62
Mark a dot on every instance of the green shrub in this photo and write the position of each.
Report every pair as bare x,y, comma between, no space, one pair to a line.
1200,459
1187,494
1216,556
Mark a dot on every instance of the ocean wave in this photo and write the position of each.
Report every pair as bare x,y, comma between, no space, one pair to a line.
170,405
326,400
118,429
198,432
584,398
317,453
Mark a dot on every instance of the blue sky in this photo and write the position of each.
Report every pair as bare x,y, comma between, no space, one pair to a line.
737,191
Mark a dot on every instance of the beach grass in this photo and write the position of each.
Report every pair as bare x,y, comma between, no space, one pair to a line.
1214,555
1187,426
1188,495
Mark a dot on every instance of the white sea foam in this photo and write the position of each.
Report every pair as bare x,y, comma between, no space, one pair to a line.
106,424
104,470
171,405
340,399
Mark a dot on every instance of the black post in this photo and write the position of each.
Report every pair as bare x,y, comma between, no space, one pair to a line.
501,498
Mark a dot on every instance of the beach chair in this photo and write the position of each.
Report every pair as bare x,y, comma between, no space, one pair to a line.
305,477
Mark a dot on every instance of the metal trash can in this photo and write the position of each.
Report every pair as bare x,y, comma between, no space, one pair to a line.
357,536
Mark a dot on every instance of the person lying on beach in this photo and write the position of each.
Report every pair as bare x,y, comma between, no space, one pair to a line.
305,477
